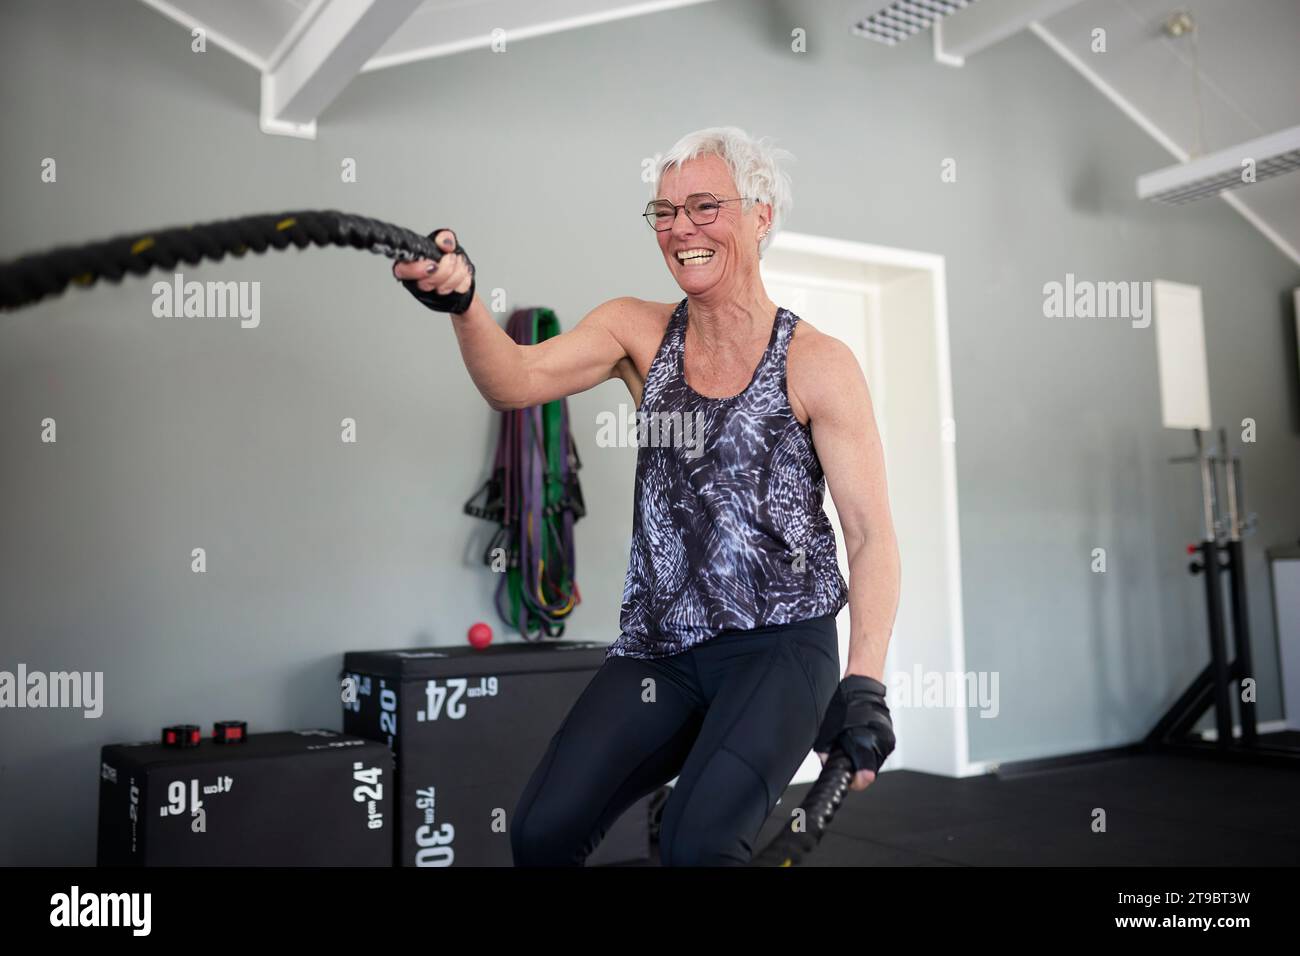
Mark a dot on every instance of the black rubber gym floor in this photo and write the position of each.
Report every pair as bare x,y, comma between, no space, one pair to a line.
1158,811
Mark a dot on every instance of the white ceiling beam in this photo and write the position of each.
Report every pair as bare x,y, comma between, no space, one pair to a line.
437,32
981,25
327,47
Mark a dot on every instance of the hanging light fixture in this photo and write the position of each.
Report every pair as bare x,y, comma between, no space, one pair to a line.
1240,165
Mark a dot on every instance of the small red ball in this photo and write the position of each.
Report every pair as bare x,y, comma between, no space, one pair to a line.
480,635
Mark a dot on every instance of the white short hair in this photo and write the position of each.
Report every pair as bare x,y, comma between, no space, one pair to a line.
755,165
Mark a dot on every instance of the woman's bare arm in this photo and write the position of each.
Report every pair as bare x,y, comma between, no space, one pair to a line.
832,388
510,375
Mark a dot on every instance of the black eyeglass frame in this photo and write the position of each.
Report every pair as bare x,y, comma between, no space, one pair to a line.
682,206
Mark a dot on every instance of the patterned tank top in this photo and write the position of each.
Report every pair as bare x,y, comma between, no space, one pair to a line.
728,528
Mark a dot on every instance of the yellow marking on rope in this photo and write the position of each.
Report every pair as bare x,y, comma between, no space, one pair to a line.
86,278
284,224
141,245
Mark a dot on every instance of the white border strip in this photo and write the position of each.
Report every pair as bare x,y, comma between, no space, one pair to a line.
857,287
857,251
948,454
1262,727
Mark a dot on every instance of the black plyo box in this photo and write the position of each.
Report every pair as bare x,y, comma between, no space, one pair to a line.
295,798
468,727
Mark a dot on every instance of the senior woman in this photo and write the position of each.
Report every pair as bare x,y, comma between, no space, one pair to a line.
726,669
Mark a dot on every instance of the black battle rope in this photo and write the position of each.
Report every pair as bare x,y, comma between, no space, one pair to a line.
31,278
809,823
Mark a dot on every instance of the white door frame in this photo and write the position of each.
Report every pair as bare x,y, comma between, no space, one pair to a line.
956,750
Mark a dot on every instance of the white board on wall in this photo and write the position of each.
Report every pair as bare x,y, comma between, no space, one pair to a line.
1180,356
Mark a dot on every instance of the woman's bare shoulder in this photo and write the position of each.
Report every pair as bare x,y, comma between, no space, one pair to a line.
809,345
637,322
639,325
630,310
816,361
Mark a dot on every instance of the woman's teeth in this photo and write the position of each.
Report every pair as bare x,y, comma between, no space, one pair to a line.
694,257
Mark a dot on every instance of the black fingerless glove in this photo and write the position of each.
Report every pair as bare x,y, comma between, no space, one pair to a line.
858,721
457,302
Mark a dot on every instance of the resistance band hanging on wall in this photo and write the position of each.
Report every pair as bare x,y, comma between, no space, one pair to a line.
534,495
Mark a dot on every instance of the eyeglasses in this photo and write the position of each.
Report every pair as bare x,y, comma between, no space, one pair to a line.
701,209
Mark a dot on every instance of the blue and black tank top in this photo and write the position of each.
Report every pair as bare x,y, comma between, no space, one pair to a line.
728,527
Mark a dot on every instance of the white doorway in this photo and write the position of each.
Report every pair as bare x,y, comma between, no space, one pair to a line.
889,306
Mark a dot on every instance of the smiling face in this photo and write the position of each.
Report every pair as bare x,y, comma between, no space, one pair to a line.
721,256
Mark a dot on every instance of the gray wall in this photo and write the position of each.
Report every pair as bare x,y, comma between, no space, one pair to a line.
175,434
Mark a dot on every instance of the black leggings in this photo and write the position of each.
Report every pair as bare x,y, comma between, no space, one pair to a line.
732,719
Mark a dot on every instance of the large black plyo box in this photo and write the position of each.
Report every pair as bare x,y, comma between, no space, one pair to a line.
297,798
468,727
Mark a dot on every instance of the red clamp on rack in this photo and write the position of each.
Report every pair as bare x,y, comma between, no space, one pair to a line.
181,735
230,731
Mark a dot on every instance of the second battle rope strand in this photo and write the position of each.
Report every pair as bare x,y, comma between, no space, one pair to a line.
34,277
